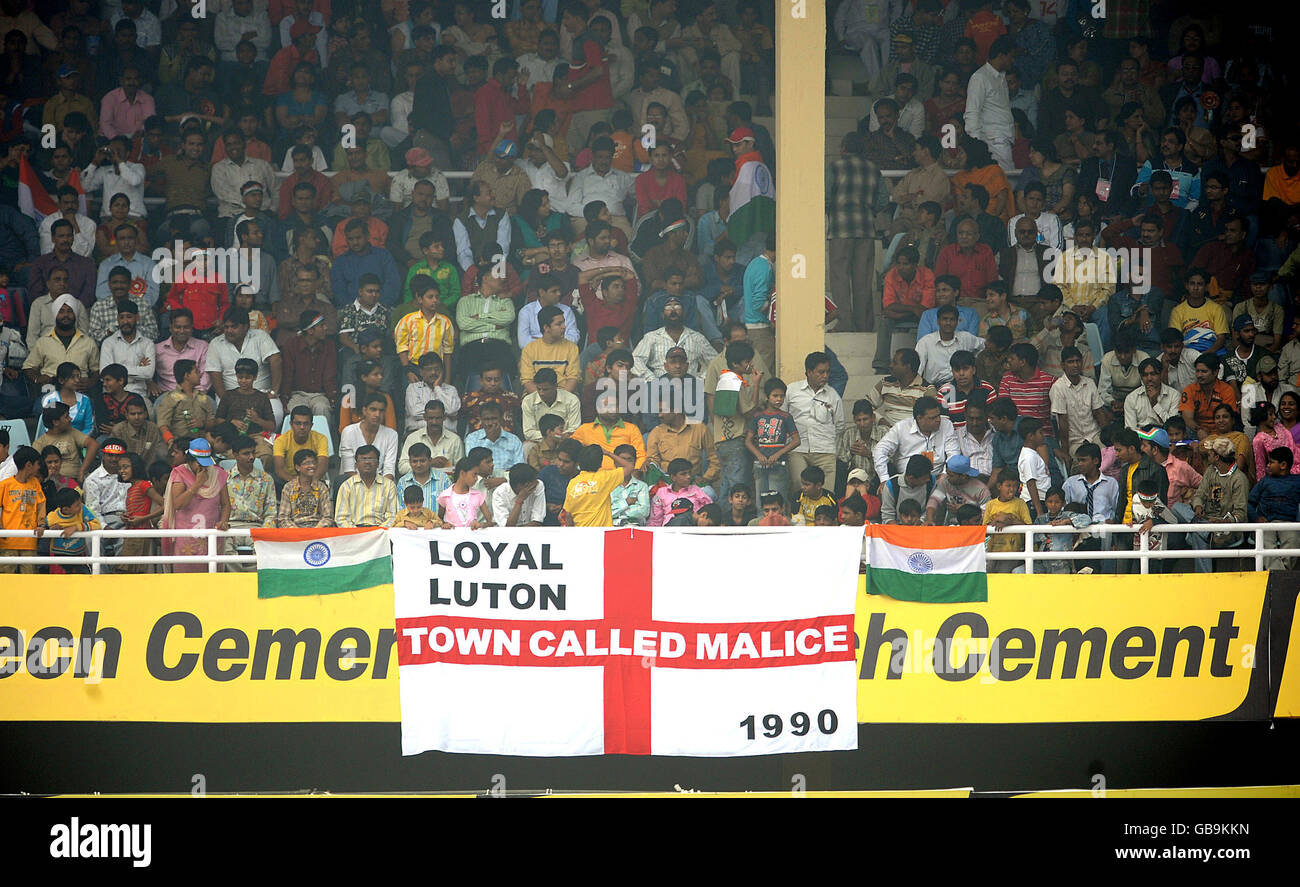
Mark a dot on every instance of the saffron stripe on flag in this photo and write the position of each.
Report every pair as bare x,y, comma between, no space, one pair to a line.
928,537
291,534
933,588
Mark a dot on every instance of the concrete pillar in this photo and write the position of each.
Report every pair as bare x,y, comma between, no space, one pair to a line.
800,135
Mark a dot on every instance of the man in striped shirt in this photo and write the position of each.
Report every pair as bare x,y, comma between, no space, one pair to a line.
1027,386
367,498
425,330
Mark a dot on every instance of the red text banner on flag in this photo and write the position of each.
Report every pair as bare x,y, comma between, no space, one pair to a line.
590,641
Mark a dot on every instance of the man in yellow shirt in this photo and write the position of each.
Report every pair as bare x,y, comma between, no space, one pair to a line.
300,437
588,501
551,350
425,330
610,431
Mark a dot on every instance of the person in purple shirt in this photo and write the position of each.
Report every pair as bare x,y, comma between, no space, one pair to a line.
81,270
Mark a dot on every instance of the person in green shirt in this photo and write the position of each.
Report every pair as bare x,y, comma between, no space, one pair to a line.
486,319
444,273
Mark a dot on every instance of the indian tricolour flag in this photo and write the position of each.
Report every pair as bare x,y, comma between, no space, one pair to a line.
753,203
317,561
927,564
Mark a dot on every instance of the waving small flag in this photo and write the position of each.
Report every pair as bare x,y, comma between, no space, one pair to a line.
33,199
927,564
317,561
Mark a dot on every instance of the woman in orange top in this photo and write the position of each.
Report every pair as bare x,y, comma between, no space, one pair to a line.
981,170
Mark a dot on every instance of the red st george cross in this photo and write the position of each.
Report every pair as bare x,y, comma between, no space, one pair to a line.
619,642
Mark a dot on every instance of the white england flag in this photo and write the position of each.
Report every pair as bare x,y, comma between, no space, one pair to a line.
576,641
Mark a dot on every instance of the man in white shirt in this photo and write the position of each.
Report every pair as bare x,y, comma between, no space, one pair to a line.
602,182
238,341
230,174
818,413
111,171
937,348
105,495
83,227
242,22
548,172
522,501
1049,224
911,112
129,348
988,104
539,67
148,28
649,89
928,433
372,431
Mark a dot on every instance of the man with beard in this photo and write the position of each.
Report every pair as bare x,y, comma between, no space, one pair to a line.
131,348
63,344
654,346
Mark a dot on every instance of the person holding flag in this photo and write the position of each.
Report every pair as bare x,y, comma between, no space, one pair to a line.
753,197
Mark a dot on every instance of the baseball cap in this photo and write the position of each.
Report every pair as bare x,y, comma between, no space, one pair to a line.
1267,364
1157,436
960,464
739,134
66,70
902,37
506,148
113,448
418,157
1260,277
671,299
201,450
1242,322
682,506
859,474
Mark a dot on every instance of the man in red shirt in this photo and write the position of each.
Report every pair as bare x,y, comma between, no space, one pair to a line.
909,290
302,48
1166,266
972,262
1230,262
1027,386
588,88
496,105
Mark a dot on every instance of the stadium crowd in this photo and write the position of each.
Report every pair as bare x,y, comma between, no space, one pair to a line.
262,303
1087,261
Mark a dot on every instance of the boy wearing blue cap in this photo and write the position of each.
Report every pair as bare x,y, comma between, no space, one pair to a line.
959,485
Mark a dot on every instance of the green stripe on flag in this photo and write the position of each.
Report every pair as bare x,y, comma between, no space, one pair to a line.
936,588
325,580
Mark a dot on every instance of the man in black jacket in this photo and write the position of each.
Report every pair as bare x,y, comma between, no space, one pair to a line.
431,115
1111,173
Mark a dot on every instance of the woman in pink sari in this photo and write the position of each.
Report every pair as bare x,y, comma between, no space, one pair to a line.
196,499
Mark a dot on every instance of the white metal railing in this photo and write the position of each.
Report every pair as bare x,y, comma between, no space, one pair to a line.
1253,546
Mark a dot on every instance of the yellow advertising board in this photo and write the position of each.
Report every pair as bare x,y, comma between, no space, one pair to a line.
1063,648
205,649
194,648
1288,691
